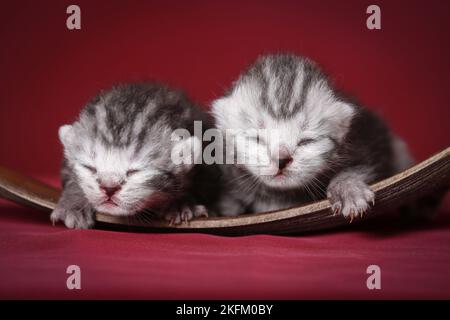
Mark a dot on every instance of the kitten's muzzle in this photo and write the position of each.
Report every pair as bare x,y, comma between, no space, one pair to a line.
284,162
110,191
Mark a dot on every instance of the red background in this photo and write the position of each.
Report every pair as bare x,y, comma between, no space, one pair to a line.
47,73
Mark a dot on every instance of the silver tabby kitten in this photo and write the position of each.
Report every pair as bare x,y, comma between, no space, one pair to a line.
326,145
117,157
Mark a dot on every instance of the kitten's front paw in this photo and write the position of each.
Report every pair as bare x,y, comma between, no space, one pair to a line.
80,219
185,213
352,198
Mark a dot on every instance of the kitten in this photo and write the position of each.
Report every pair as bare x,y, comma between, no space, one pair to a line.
117,157
326,144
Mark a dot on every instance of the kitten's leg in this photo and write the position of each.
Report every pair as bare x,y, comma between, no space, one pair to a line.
349,193
73,209
230,207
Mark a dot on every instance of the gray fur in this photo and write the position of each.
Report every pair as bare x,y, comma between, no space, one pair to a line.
363,148
283,68
136,120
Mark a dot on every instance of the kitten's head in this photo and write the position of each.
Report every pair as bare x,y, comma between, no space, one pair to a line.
292,120
121,155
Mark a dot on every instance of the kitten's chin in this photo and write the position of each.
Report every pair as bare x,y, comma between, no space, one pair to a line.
114,210
281,181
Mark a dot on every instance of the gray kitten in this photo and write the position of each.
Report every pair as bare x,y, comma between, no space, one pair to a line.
326,145
117,157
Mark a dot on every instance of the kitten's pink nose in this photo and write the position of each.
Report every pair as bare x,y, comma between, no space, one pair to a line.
110,190
284,162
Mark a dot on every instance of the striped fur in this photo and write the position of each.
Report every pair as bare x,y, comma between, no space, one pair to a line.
337,146
123,137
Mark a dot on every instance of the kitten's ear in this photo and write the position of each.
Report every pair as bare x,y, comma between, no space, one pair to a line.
186,152
66,135
225,115
340,115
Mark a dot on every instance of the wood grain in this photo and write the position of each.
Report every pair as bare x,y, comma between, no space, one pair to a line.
428,177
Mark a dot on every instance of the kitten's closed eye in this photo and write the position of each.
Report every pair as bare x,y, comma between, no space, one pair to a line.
92,169
131,172
304,142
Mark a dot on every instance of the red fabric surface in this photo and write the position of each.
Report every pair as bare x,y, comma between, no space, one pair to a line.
414,262
48,72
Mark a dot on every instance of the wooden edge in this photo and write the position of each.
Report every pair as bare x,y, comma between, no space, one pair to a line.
435,168
424,178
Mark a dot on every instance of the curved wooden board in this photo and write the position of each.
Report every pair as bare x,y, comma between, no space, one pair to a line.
428,177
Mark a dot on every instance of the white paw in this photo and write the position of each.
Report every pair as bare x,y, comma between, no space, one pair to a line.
186,213
352,198
73,219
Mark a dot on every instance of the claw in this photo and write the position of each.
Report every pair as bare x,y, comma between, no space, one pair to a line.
336,209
